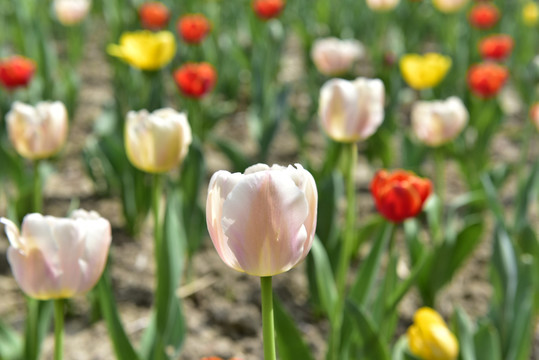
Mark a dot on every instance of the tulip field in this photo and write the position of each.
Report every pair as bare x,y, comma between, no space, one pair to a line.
269,179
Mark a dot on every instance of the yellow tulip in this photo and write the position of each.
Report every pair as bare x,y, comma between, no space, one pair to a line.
145,50
430,339
530,13
424,71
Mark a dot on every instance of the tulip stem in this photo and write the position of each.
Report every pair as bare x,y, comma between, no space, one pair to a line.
58,328
346,249
268,326
38,197
158,244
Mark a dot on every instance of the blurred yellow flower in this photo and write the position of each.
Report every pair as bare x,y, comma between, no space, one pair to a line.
145,50
429,338
424,71
530,13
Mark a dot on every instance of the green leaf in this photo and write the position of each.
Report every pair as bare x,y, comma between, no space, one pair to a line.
369,269
324,277
374,347
487,343
122,346
330,190
11,343
166,332
492,199
290,344
464,332
526,194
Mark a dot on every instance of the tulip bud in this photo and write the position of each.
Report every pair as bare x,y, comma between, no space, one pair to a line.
486,79
268,9
193,28
351,110
157,142
195,79
71,12
262,222
37,132
145,50
438,122
484,16
382,5
16,71
496,47
530,13
333,56
154,15
57,258
449,6
399,195
424,71
430,339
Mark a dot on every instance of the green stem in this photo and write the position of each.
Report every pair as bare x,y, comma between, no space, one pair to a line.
157,237
440,175
439,186
38,196
58,328
345,255
268,326
31,345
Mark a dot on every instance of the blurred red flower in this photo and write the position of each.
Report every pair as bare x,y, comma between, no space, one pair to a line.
484,15
154,15
496,47
268,9
16,71
486,79
195,79
193,28
400,194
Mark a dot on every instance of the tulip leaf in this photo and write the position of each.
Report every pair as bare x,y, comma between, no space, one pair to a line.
10,343
401,351
487,343
166,331
324,277
193,174
464,332
374,347
370,267
492,199
122,346
526,194
290,344
330,190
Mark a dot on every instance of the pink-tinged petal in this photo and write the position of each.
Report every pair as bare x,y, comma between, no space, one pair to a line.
12,233
305,182
256,168
70,242
36,231
33,274
263,218
221,184
337,106
370,107
94,257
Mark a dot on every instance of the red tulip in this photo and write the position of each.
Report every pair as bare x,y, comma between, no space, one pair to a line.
154,15
399,195
268,9
16,71
193,28
484,15
486,79
195,79
496,47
